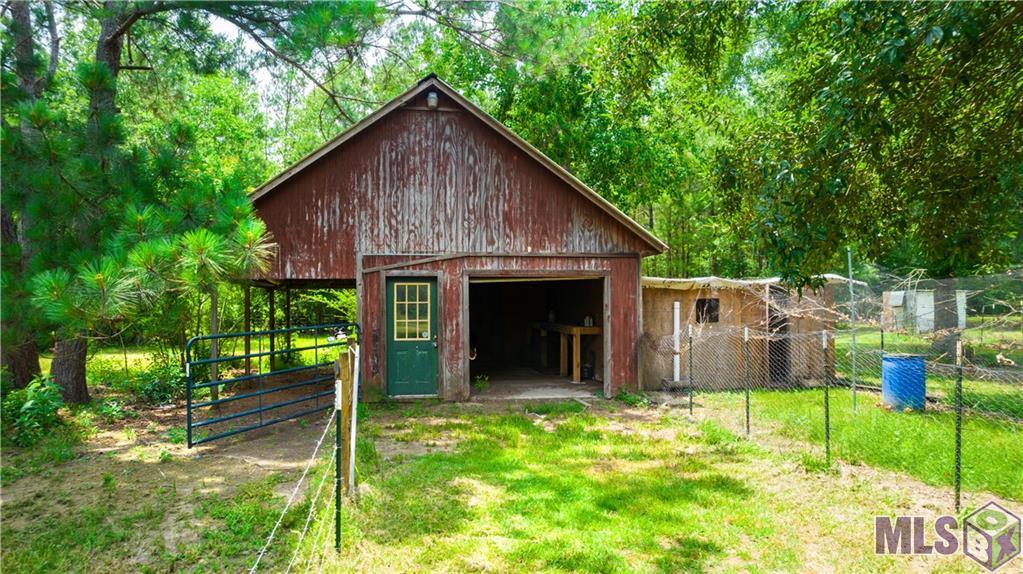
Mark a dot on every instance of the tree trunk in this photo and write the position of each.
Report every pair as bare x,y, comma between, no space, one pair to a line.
22,360
20,354
103,100
68,369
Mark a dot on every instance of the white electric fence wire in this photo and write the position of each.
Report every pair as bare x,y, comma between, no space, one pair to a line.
309,517
294,494
320,543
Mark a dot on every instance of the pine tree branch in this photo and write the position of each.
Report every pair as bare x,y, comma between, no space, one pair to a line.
291,61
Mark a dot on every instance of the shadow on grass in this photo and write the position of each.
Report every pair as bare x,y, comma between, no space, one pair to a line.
571,499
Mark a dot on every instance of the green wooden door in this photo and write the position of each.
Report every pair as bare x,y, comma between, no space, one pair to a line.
411,336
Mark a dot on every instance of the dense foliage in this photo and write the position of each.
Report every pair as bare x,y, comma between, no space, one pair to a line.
30,412
754,138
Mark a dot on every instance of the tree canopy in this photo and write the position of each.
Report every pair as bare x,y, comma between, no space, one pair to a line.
754,138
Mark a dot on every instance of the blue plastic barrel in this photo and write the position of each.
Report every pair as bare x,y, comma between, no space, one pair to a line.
903,381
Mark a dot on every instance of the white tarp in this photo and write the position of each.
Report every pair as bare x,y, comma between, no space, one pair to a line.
924,303
711,281
961,308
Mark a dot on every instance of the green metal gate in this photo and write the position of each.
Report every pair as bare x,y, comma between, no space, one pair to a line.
270,381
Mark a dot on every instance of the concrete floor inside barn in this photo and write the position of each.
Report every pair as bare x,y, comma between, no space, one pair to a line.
525,384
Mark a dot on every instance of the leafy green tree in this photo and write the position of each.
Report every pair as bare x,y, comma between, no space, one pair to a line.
71,175
897,132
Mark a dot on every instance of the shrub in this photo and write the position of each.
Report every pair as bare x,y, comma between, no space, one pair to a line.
109,373
633,399
111,410
32,411
160,383
480,383
176,435
6,382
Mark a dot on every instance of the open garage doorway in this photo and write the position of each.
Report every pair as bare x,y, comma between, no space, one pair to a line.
537,337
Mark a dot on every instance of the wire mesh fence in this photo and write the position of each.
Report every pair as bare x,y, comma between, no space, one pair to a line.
898,397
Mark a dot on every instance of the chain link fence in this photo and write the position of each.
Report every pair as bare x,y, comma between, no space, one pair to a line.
837,388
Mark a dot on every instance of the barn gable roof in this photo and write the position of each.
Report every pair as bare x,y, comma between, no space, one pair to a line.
433,82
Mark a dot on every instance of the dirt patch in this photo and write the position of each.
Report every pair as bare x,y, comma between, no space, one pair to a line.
389,448
132,466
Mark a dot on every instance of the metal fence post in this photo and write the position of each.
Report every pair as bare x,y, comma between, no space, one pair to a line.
959,416
676,342
354,420
337,456
745,371
852,317
827,405
188,393
692,377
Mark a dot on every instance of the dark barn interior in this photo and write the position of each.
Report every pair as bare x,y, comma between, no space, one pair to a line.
509,341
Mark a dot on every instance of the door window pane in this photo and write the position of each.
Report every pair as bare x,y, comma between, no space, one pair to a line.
412,311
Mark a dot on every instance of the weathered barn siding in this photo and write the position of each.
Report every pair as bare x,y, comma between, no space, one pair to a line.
425,181
450,194
620,310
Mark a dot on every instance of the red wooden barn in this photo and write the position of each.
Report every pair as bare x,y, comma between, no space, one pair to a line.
475,257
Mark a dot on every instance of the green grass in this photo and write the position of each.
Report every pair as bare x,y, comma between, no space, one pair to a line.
58,446
985,343
602,490
575,498
919,444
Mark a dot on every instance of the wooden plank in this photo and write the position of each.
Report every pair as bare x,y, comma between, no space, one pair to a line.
563,371
543,348
344,370
417,171
570,329
576,346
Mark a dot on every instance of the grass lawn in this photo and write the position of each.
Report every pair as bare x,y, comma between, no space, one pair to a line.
984,342
458,488
919,444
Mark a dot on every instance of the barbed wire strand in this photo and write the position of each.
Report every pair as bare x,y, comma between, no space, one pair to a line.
294,494
318,541
309,516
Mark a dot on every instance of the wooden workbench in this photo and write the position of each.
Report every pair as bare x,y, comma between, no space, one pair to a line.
566,331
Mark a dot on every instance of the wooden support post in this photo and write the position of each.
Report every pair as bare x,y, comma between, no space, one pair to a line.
287,317
271,295
345,386
247,311
576,358
543,348
564,356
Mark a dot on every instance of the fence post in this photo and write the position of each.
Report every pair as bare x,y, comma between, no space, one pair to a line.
337,454
676,343
959,416
354,393
692,376
827,405
745,371
852,317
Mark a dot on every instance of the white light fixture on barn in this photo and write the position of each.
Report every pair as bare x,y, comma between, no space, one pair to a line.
431,100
